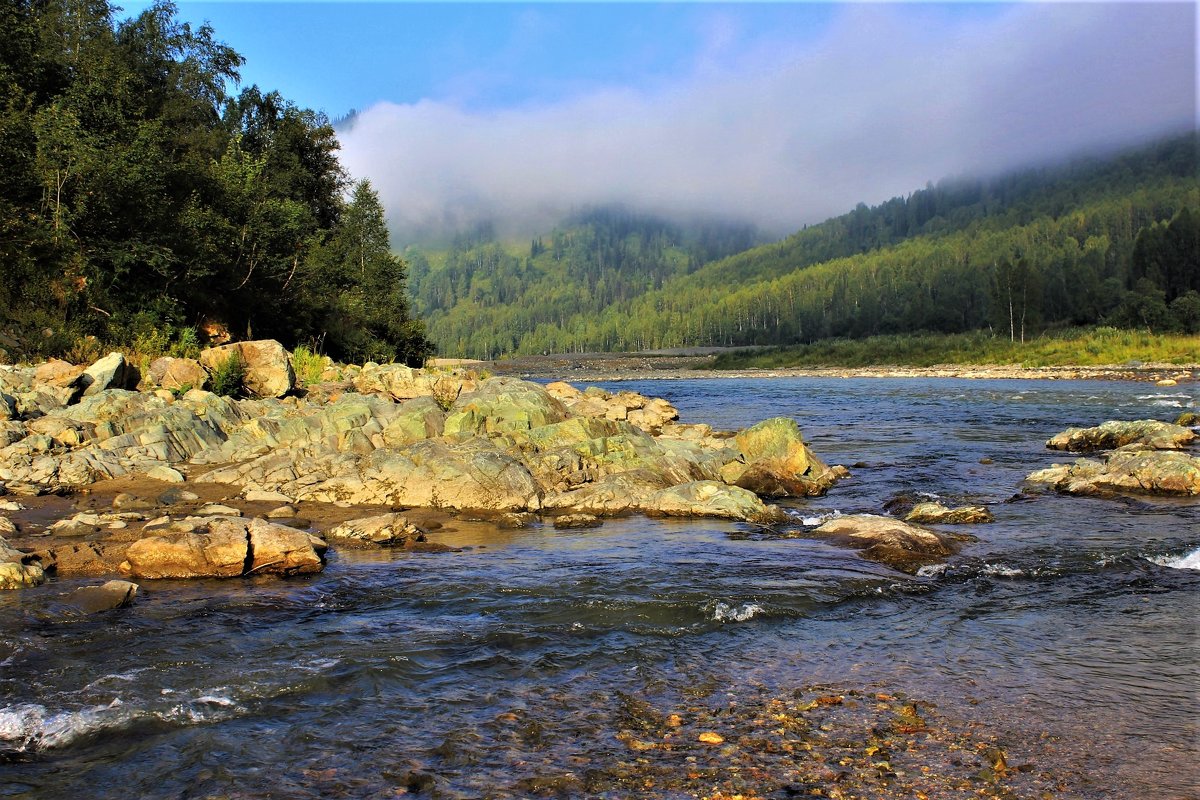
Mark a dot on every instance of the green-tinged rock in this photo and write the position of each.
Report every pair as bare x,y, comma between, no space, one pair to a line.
711,499
503,404
936,513
623,493
1116,433
1165,472
774,462
577,521
414,420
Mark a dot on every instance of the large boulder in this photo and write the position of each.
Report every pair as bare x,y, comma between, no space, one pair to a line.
110,372
416,419
887,540
621,493
268,368
774,461
176,374
1165,472
1148,433
226,547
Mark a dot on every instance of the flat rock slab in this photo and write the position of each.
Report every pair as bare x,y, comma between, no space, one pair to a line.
1157,472
1110,435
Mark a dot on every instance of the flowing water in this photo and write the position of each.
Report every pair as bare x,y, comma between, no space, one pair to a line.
1068,630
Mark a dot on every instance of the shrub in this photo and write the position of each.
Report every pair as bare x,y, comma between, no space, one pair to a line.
307,365
229,376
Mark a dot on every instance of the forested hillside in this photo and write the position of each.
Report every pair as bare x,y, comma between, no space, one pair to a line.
140,198
1109,240
484,297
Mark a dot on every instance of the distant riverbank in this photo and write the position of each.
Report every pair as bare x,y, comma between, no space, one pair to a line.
634,366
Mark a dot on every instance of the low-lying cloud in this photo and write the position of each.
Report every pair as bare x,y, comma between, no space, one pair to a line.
875,108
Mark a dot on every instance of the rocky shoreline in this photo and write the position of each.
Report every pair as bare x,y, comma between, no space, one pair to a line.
113,471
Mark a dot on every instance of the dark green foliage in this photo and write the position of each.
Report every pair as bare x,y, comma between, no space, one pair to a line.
229,377
139,194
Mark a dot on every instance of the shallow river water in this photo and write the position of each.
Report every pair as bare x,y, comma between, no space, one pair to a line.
1069,630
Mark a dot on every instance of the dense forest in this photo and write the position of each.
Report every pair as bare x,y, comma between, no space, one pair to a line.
1102,240
142,198
483,297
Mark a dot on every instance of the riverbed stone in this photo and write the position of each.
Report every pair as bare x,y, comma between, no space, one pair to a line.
381,530
503,404
106,597
887,540
15,575
936,513
1156,472
110,372
1110,435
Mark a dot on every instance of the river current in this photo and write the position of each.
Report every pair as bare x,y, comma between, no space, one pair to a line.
1069,629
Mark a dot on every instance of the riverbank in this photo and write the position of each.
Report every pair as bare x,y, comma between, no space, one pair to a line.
603,367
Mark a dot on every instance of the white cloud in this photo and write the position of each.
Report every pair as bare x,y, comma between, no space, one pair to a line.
883,102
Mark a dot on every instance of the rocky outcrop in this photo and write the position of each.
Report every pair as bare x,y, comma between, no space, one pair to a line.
887,540
392,435
936,513
1145,433
1161,472
227,547
773,461
268,368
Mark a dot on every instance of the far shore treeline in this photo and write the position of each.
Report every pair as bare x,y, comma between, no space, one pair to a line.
142,199
1112,241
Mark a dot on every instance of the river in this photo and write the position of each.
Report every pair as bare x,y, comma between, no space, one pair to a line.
1069,629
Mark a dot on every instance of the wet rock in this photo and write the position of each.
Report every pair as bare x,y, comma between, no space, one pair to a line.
775,462
1110,435
15,575
84,559
515,520
936,513
577,521
268,368
107,597
129,502
226,547
217,509
1189,419
172,497
383,530
1165,472
887,540
711,499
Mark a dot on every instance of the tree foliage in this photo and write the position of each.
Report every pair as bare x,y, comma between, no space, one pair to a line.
140,191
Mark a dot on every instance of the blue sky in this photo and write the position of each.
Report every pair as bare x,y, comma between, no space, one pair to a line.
777,113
